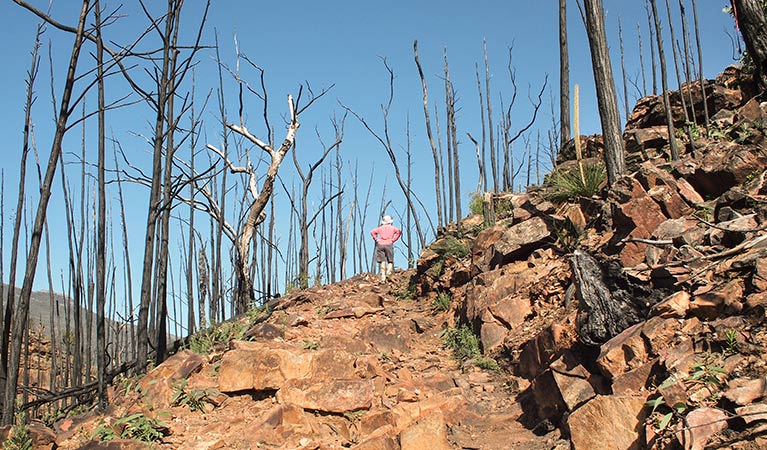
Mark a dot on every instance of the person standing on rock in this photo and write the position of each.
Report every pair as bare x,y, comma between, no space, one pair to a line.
385,236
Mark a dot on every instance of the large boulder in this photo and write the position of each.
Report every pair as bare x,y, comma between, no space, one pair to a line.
260,367
496,246
328,394
159,385
613,422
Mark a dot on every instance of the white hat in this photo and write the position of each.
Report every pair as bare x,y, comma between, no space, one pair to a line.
387,220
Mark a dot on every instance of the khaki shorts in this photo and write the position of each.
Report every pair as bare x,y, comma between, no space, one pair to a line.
384,253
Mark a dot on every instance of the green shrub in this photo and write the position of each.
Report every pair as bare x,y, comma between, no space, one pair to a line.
195,399
565,185
442,301
142,428
462,341
475,203
405,290
451,246
19,438
104,432
205,340
486,363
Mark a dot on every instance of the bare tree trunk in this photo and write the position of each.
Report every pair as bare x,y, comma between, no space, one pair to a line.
493,162
652,47
435,155
153,212
45,194
605,87
191,250
677,69
449,144
564,76
101,343
687,68
126,257
626,110
641,61
454,139
700,64
11,300
664,81
751,21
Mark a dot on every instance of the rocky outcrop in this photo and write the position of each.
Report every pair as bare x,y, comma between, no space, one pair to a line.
633,319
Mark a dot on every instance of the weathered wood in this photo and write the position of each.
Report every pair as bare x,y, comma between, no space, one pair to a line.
602,311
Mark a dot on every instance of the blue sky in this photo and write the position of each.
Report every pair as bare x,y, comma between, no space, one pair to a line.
342,43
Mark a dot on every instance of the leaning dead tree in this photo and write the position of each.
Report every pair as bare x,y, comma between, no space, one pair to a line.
434,152
244,295
20,322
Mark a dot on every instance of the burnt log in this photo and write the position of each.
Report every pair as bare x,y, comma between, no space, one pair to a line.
608,301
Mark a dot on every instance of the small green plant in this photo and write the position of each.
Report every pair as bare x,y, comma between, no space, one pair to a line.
19,438
254,312
194,399
663,421
704,212
486,363
354,416
462,341
451,246
205,340
140,427
104,432
708,371
405,290
442,301
569,235
309,345
565,185
475,203
322,310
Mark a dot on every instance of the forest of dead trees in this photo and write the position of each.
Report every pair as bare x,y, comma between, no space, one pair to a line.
211,247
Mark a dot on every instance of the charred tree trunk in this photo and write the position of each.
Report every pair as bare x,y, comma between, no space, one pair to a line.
752,23
700,64
101,343
605,87
564,76
664,81
45,193
601,314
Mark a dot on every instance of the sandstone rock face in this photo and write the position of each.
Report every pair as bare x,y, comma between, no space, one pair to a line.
744,391
328,395
430,432
500,247
118,444
636,215
158,385
260,367
700,425
589,424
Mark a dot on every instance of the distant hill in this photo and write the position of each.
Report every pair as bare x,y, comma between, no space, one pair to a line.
43,304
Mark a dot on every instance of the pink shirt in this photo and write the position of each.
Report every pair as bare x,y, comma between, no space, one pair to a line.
386,234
